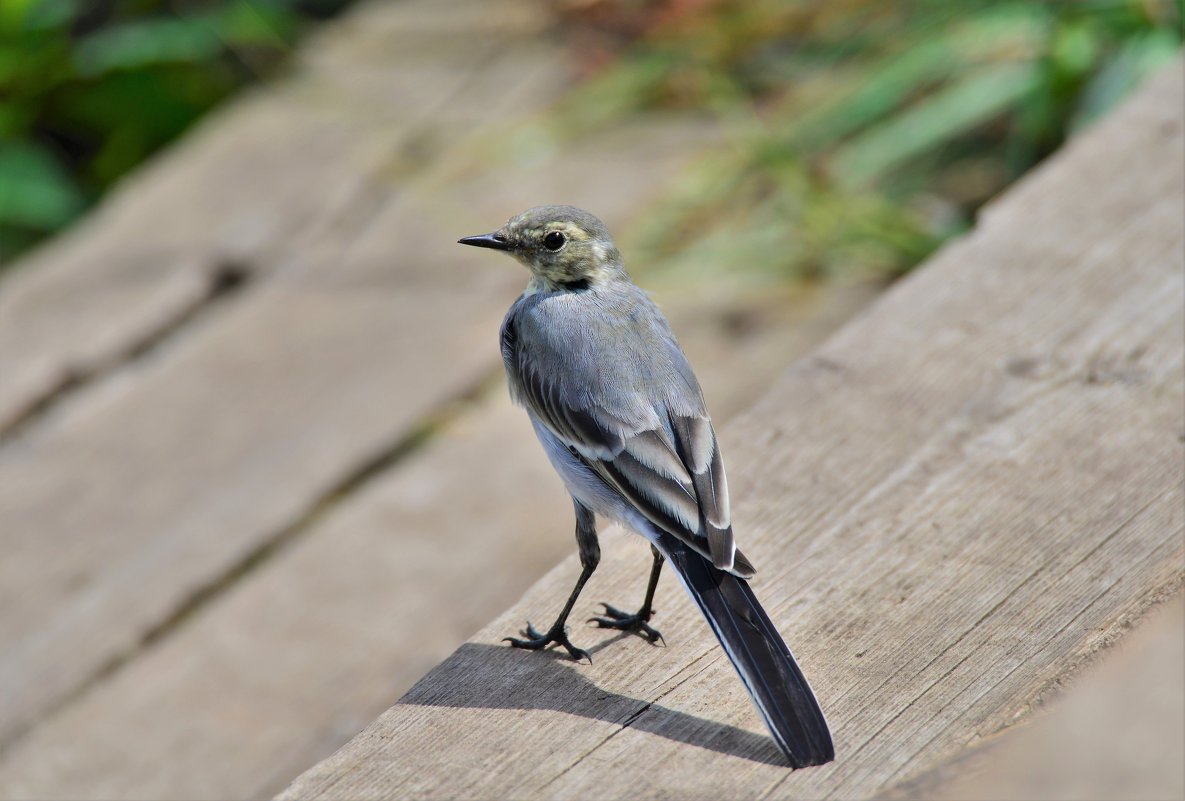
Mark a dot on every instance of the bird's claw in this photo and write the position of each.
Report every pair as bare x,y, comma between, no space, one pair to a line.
614,618
534,641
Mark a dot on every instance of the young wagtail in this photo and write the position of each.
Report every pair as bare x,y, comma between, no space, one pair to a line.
622,418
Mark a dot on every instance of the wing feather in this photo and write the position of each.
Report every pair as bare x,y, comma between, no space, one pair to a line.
662,458
666,503
698,440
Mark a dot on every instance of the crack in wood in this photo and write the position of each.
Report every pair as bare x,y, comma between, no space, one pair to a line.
225,280
385,458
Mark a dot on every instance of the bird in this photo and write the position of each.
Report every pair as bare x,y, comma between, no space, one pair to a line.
621,416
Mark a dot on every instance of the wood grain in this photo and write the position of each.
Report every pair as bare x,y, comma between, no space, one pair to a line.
306,650
1117,734
309,155
154,485
953,505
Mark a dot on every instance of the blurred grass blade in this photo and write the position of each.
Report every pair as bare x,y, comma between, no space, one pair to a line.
35,192
1135,60
249,22
147,42
876,96
939,118
891,80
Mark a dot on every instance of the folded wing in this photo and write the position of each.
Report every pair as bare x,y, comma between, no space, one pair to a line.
667,464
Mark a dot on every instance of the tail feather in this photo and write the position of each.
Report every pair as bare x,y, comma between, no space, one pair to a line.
766,666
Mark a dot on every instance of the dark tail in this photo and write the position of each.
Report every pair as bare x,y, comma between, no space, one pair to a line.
766,665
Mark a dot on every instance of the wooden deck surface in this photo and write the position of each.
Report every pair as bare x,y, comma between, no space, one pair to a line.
1117,734
258,472
954,505
253,402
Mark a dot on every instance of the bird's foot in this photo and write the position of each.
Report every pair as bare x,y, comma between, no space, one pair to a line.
616,619
535,641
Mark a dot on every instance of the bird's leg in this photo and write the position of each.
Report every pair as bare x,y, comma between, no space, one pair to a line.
590,555
639,621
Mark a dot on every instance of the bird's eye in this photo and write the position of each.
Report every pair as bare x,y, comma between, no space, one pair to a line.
554,240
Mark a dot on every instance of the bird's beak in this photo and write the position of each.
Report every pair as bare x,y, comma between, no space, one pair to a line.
494,241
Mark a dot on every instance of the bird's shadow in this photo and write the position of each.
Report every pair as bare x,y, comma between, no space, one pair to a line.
499,677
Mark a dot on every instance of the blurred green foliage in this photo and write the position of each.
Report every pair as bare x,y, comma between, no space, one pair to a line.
861,134
90,88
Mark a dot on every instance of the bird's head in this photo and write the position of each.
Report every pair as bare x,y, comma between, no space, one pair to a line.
564,247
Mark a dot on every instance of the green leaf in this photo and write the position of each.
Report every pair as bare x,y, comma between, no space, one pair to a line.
1137,59
255,23
939,118
35,192
145,42
888,81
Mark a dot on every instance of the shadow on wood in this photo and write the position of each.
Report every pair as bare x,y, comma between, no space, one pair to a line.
480,676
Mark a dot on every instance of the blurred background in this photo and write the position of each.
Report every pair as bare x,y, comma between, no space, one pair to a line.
258,470
878,127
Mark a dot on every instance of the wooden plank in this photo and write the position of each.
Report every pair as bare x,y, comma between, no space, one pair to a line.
953,504
128,504
302,654
134,502
311,646
1118,733
258,180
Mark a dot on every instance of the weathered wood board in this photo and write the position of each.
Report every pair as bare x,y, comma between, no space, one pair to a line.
310,647
156,484
953,505
1118,734
182,467
309,155
217,427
